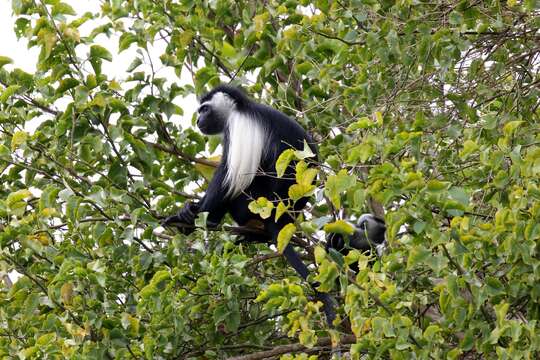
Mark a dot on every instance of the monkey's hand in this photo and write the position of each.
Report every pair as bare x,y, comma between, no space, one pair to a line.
185,219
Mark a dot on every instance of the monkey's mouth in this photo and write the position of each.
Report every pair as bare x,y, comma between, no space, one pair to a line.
203,129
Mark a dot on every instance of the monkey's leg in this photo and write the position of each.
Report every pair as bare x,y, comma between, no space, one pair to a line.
296,262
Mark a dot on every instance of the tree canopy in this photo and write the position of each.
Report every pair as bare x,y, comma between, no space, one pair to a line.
426,113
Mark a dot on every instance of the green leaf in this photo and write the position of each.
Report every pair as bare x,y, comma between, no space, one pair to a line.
285,236
118,173
72,208
436,185
4,60
500,311
328,273
305,153
9,92
431,331
362,153
4,151
338,257
417,255
338,184
158,282
98,51
469,147
134,64
67,84
30,304
62,8
460,195
126,39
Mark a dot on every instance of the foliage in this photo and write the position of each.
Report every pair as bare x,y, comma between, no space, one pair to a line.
429,110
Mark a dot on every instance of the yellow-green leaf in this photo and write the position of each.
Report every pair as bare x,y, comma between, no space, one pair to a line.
436,185
338,184
207,171
9,92
4,151
511,126
63,8
304,174
283,161
18,139
260,21
47,39
49,212
46,339
378,118
363,123
339,227
66,292
284,236
298,191
320,254
328,273
4,60
500,311
280,210
261,206
469,146
228,50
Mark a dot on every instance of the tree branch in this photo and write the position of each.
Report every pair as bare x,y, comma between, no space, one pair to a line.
293,348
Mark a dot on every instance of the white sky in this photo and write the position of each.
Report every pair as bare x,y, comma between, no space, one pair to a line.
9,46
24,58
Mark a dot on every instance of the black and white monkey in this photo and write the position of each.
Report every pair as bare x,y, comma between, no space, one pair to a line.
368,237
254,135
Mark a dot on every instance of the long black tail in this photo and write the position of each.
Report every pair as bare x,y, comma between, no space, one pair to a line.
296,262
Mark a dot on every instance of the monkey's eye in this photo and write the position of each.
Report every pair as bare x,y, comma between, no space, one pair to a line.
362,225
203,109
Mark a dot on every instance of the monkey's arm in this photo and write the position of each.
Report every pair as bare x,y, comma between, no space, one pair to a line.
215,200
212,202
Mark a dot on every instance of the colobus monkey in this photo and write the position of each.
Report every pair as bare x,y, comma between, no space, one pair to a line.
254,135
369,235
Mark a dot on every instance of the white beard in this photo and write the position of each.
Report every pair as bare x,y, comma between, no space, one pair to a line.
246,147
247,141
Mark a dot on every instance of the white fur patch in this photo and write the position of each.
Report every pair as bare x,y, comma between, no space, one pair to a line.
247,140
221,103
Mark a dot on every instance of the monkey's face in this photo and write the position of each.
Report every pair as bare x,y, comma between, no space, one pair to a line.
214,112
210,121
369,234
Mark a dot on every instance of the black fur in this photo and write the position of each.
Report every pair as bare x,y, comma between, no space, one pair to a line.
281,133
369,233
